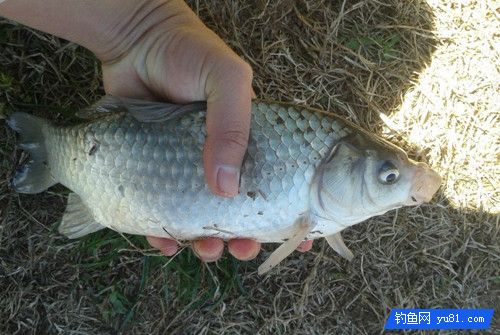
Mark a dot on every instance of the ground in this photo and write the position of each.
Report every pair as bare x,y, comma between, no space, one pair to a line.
424,74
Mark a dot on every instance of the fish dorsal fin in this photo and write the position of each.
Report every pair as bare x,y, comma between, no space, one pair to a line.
337,243
141,110
303,227
78,221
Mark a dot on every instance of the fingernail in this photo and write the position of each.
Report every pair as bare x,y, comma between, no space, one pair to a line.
209,252
228,180
212,258
253,255
169,250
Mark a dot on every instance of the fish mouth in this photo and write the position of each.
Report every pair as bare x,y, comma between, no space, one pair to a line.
426,182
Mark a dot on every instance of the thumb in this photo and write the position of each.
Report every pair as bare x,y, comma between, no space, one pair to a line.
229,96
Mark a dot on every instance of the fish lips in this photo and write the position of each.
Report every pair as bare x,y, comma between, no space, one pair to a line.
425,184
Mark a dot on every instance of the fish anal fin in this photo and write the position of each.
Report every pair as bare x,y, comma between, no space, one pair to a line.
337,243
141,110
78,221
303,227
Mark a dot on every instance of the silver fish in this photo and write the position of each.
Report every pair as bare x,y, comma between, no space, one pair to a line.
136,167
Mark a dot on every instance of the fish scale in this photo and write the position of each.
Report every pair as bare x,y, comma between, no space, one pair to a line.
137,167
277,172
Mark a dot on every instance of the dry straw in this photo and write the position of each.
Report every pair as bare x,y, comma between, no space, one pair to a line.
429,69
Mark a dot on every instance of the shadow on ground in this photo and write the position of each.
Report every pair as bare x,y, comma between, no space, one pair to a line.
352,58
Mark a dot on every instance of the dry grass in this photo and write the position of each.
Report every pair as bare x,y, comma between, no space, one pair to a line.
429,68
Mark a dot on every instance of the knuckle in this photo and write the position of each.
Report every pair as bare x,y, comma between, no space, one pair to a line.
239,69
233,139
246,69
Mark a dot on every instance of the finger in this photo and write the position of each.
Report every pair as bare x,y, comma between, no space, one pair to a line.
243,249
305,246
229,95
208,249
167,246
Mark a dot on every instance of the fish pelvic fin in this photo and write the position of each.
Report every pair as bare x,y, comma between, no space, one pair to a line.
34,176
78,220
337,243
303,227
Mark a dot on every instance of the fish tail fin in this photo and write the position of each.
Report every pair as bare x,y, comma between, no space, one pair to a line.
34,176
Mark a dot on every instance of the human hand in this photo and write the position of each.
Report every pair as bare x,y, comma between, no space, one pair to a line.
179,59
159,49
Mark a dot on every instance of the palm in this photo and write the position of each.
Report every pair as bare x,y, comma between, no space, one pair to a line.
183,64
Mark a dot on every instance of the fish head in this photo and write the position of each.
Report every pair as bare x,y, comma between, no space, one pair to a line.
364,176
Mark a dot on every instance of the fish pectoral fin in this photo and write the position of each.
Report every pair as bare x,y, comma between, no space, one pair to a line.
337,243
141,110
77,220
304,226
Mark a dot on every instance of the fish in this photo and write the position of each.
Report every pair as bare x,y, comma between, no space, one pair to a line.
136,167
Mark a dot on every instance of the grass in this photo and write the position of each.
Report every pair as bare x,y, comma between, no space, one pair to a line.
194,285
422,73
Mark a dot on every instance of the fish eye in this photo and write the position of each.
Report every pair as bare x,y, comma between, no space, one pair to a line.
388,173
